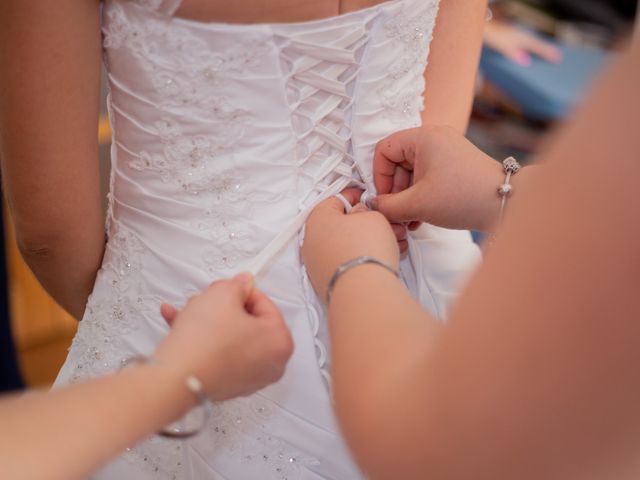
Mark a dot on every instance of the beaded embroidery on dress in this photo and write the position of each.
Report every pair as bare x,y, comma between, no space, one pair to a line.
225,137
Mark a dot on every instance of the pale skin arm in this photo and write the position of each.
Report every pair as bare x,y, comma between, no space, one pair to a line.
69,432
48,140
453,62
450,75
534,376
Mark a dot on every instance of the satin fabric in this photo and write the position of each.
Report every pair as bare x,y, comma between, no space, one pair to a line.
225,137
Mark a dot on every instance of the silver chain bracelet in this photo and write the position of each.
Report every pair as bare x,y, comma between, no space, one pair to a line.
356,262
194,385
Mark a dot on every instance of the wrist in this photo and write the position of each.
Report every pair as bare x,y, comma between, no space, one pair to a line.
357,262
361,280
175,396
167,384
492,210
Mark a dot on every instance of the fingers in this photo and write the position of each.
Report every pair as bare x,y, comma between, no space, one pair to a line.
399,207
400,231
401,180
169,313
519,56
246,282
545,50
525,44
333,205
236,289
397,151
359,208
259,305
352,195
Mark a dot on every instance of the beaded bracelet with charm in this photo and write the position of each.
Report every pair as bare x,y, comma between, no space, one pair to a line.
510,166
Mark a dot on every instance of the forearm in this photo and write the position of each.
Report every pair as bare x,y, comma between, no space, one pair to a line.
380,338
453,63
533,376
48,140
68,433
66,265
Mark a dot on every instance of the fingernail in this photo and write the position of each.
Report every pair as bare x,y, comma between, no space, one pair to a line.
374,203
244,277
523,58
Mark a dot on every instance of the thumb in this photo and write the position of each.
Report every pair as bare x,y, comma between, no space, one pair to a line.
399,207
260,305
169,313
246,282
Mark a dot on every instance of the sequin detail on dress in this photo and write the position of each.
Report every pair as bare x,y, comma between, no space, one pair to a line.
401,94
225,137
110,317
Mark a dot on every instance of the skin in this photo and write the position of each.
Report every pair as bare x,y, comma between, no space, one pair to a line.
518,45
420,163
49,116
48,141
231,337
534,375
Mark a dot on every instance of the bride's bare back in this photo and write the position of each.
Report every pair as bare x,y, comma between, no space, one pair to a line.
268,11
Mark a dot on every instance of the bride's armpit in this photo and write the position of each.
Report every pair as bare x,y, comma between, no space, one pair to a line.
268,11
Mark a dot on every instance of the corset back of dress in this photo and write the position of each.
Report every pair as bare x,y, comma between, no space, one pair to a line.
231,132
224,138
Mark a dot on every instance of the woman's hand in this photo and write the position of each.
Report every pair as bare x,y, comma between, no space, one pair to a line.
441,177
518,45
231,337
333,237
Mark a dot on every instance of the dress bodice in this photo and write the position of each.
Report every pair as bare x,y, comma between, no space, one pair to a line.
233,132
224,138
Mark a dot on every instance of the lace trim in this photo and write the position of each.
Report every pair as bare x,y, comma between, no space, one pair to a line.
187,80
314,318
196,164
203,165
200,165
115,314
414,31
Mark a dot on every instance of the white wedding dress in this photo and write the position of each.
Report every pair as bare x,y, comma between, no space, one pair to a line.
225,136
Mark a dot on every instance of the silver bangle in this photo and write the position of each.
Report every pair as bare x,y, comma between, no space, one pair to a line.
194,385
510,166
356,262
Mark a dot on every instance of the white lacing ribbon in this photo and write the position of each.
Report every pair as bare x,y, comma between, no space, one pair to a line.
322,102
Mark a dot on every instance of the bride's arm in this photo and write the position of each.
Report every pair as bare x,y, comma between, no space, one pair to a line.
49,90
453,63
